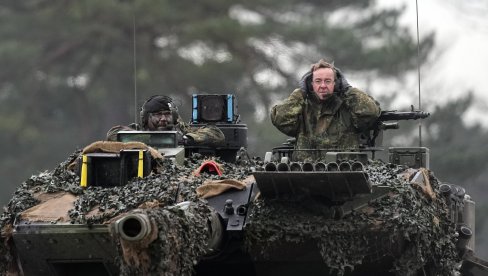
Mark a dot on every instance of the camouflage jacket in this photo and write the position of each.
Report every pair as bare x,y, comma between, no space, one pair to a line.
333,124
208,135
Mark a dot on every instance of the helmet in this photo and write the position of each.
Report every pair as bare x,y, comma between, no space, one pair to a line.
158,103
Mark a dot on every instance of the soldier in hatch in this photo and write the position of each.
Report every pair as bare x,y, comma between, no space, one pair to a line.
325,112
160,113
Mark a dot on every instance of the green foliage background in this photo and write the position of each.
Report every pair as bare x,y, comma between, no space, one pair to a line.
67,71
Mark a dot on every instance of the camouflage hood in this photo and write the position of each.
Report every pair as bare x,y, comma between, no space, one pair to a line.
341,85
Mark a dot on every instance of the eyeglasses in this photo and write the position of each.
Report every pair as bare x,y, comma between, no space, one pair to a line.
319,81
161,114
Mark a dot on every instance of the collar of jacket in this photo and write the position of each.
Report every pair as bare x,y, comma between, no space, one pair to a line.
328,107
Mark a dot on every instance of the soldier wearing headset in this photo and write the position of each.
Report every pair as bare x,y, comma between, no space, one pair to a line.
160,113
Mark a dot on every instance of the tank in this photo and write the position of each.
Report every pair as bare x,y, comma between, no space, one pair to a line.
147,205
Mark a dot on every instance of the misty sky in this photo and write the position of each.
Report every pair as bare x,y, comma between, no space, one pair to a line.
458,63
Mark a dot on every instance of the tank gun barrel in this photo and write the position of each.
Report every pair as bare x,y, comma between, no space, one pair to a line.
140,228
133,227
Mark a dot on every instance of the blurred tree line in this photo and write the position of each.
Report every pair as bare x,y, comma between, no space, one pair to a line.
70,69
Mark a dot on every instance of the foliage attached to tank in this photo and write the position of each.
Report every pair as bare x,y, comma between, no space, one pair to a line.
181,237
403,224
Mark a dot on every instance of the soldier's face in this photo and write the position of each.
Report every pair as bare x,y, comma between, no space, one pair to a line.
323,82
162,120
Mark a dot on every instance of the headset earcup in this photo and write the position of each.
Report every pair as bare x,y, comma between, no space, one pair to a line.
338,85
174,113
143,117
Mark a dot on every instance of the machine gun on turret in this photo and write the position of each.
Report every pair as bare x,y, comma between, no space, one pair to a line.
372,139
384,123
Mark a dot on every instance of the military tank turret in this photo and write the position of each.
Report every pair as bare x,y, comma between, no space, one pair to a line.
123,209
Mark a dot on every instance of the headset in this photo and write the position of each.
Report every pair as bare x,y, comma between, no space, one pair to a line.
339,85
161,98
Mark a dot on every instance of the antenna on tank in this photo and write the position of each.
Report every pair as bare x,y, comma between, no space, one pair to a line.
418,69
135,67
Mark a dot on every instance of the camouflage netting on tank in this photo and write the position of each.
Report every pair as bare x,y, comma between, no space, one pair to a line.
405,219
174,184
404,224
